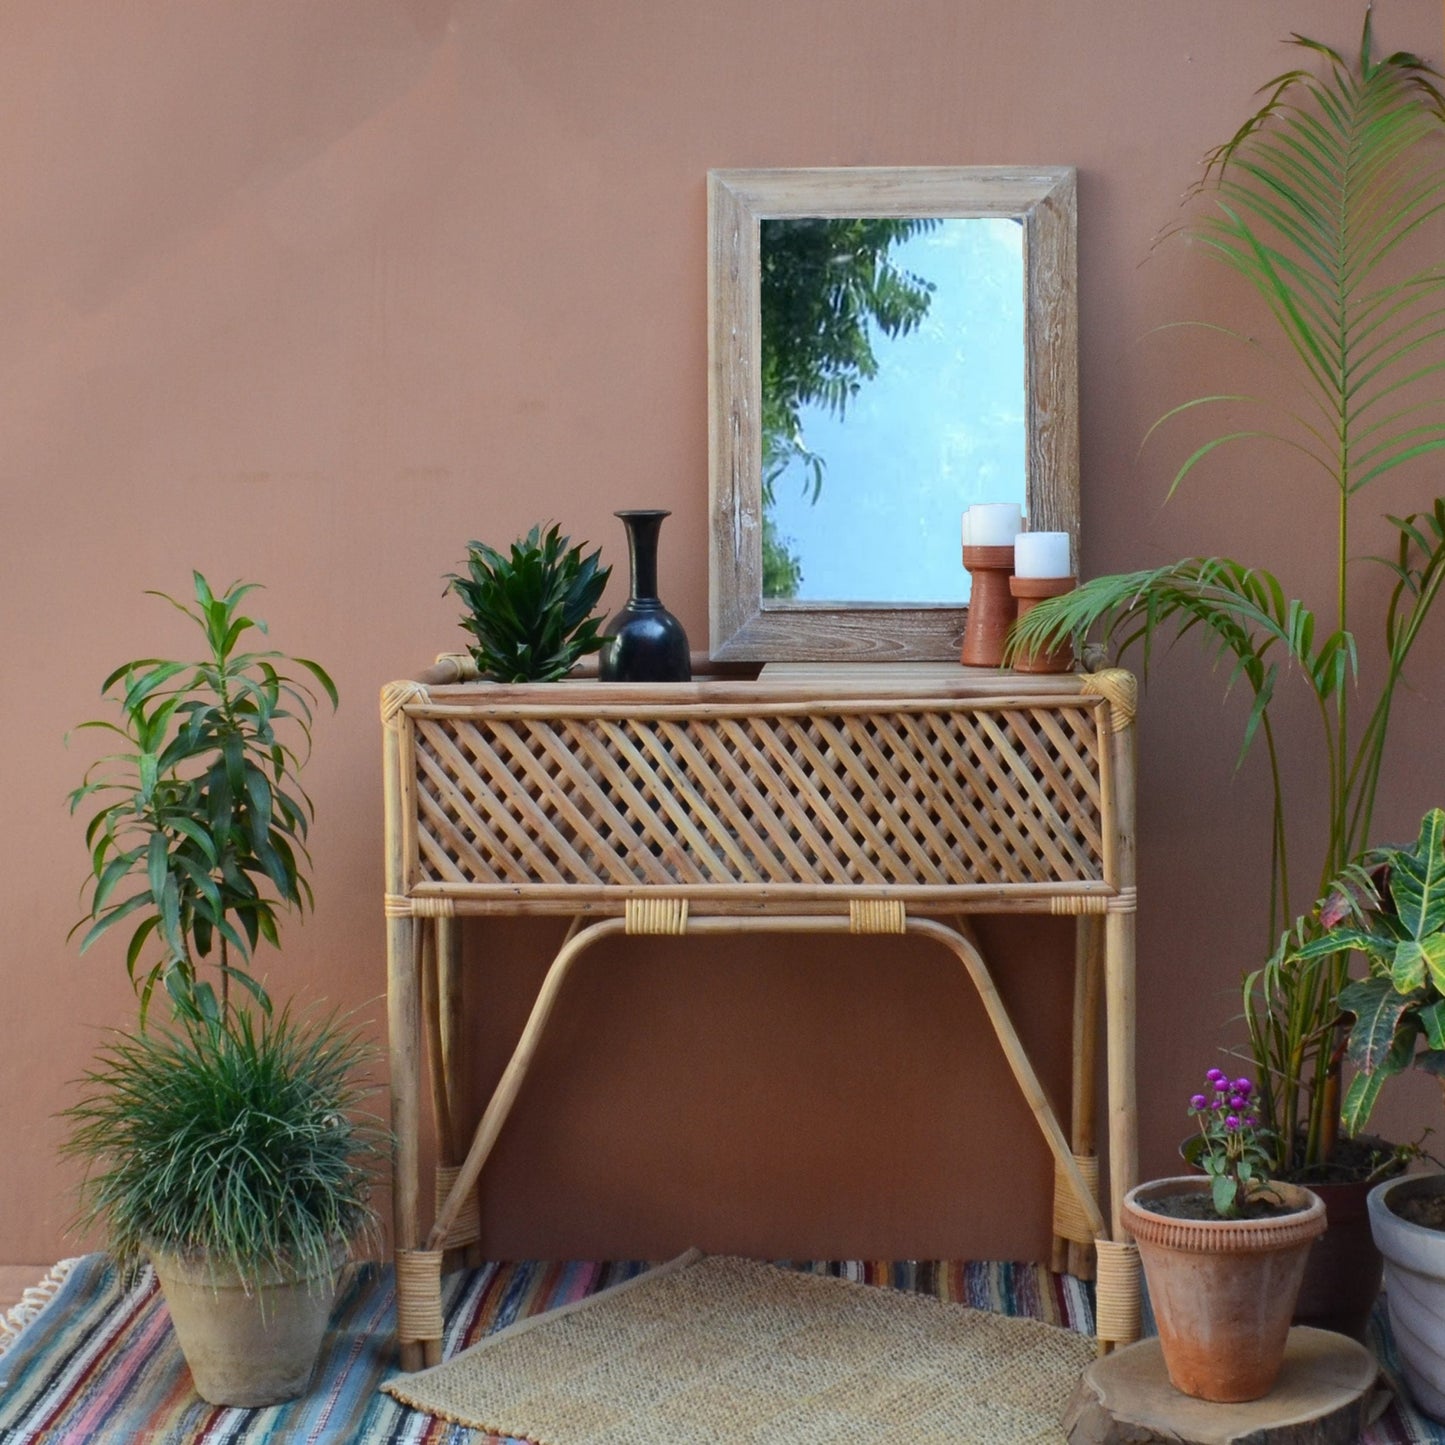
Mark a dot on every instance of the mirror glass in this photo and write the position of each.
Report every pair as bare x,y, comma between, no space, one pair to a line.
892,368
887,347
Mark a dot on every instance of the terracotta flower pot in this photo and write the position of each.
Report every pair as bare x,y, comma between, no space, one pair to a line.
1223,1290
1414,1288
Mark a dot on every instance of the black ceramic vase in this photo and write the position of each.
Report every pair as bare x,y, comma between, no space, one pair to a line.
644,642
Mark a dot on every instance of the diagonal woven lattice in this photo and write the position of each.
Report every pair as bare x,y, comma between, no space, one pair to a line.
932,795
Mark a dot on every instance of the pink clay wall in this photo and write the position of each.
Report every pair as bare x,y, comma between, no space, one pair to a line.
311,294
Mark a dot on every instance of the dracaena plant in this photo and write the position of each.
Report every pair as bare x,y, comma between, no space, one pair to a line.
199,842
531,610
1317,203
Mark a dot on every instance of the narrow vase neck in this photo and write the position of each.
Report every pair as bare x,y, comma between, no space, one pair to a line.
642,529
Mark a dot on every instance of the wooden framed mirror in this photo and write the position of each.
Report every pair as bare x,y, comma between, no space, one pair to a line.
886,347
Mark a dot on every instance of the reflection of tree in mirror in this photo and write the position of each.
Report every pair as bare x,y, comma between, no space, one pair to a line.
824,284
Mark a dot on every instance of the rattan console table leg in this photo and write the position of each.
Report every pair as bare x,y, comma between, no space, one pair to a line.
404,1025
1072,1256
508,1088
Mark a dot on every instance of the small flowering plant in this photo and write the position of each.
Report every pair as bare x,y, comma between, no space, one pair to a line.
1232,1150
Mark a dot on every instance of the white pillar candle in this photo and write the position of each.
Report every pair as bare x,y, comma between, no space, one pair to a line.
994,524
1042,554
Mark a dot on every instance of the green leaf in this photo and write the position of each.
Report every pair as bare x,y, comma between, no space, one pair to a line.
108,920
1432,1019
1221,1190
1407,968
1364,1090
156,871
1417,879
1378,1008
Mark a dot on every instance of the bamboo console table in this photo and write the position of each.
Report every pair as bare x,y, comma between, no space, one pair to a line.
824,799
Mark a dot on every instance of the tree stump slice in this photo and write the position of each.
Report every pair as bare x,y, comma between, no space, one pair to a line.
1326,1395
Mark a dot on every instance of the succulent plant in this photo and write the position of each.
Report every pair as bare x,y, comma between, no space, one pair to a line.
531,612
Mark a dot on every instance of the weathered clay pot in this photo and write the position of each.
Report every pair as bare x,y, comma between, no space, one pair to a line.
1414,1288
245,1349
1223,1290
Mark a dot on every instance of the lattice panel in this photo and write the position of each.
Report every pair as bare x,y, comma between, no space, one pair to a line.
929,795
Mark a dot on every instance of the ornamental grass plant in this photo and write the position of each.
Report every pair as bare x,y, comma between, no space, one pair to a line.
241,1140
1324,203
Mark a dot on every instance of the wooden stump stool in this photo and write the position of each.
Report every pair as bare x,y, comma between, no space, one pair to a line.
1325,1395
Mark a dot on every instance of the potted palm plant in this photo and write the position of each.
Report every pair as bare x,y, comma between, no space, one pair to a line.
224,1147
1389,907
1318,199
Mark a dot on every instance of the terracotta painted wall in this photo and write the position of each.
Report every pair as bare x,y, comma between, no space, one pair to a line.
311,294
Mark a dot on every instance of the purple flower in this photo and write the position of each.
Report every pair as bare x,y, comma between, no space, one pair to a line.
1216,1076
1236,1101
1252,1120
1198,1102
1232,1123
1244,1086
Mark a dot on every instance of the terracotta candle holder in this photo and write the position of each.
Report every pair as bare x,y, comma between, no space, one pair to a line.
1027,591
991,608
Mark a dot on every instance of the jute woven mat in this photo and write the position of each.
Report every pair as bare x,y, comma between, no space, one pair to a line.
721,1350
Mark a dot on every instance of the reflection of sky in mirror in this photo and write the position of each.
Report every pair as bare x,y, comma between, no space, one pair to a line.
941,426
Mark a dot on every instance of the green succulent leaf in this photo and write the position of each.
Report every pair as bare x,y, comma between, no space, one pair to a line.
531,612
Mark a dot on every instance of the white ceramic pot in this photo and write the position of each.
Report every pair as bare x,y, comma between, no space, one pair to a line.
1414,1287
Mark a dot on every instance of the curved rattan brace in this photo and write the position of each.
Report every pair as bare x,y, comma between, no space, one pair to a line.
967,952
1120,688
467,1226
655,915
876,915
1116,1316
1070,1220
505,1095
419,1295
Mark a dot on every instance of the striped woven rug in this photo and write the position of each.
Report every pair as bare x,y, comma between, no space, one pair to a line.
98,1362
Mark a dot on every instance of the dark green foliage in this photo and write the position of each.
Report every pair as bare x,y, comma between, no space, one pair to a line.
531,611
239,1138
1319,199
204,809
824,284
782,569
1388,905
